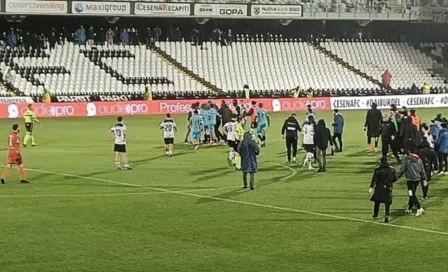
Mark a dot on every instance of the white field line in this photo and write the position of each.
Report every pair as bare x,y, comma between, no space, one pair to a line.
246,203
118,194
293,171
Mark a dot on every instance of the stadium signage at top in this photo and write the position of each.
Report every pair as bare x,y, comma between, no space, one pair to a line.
36,6
276,11
99,7
177,9
220,10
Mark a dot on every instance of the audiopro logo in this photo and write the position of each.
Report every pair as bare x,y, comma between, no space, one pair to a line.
79,7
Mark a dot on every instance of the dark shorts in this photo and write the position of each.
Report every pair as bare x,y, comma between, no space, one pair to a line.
29,127
233,144
120,148
373,134
168,141
309,148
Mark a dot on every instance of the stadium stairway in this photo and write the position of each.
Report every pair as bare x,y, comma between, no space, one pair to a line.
345,64
172,61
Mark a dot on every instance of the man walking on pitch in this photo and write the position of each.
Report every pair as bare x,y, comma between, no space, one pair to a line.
382,185
388,135
14,156
430,163
373,125
248,151
169,128
119,132
308,142
291,129
412,167
322,137
338,129
29,118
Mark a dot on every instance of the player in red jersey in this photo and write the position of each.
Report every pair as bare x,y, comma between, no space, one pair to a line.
14,156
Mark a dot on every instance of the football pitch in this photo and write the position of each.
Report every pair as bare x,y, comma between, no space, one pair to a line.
190,213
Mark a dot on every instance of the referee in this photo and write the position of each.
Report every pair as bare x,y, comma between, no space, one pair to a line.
291,128
29,118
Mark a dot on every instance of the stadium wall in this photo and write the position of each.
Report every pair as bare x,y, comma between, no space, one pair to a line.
157,107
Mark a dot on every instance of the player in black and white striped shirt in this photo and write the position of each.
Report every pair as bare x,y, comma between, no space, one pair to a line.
169,128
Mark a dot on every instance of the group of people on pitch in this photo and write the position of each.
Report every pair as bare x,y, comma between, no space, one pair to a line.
420,148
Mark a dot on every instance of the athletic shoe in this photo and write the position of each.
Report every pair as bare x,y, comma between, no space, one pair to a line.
294,160
310,167
34,145
24,181
375,218
420,212
3,181
441,173
386,220
424,198
408,211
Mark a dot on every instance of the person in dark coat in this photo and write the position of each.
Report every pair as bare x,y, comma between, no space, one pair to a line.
291,129
381,185
225,112
338,129
322,137
430,163
408,132
373,126
388,135
248,151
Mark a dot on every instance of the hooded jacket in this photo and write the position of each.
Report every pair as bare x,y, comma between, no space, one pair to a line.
442,141
248,151
412,167
322,135
338,123
428,156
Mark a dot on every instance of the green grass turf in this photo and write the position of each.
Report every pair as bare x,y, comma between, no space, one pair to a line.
68,223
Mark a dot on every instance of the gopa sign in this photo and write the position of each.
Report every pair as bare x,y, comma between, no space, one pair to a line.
101,8
165,9
276,11
220,10
36,7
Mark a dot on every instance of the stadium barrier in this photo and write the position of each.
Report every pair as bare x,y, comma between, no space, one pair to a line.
154,107
384,102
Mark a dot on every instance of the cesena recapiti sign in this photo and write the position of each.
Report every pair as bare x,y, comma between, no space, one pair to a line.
220,10
36,7
101,8
142,8
276,11
384,102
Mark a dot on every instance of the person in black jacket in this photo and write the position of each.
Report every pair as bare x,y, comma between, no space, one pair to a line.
408,132
430,163
322,137
382,182
291,128
388,134
373,126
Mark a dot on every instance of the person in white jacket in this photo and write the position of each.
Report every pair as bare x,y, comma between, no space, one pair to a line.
308,142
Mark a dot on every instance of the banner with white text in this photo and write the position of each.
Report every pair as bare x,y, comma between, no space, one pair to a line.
276,11
220,10
36,7
162,9
384,102
101,8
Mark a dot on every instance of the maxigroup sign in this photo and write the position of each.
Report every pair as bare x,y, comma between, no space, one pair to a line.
36,7
166,9
105,8
276,11
220,10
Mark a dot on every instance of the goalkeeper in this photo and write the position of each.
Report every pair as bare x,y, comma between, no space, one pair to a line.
29,118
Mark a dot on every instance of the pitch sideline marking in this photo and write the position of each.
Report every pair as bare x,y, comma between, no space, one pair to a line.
118,194
293,171
245,203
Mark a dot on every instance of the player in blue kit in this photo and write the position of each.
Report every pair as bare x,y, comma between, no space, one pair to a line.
212,114
262,120
196,127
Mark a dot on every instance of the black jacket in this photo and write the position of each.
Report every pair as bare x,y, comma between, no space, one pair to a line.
429,158
322,135
383,179
291,127
407,130
373,122
226,114
388,130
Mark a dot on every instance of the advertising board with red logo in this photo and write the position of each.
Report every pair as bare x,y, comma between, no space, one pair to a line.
129,108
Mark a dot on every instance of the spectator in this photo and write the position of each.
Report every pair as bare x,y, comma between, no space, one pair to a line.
124,37
12,38
53,39
101,37
178,34
171,34
426,89
149,39
117,35
110,36
386,77
195,37
157,33
80,35
90,36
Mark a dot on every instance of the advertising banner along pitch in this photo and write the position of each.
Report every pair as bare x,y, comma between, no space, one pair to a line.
101,8
162,9
36,7
276,11
220,10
